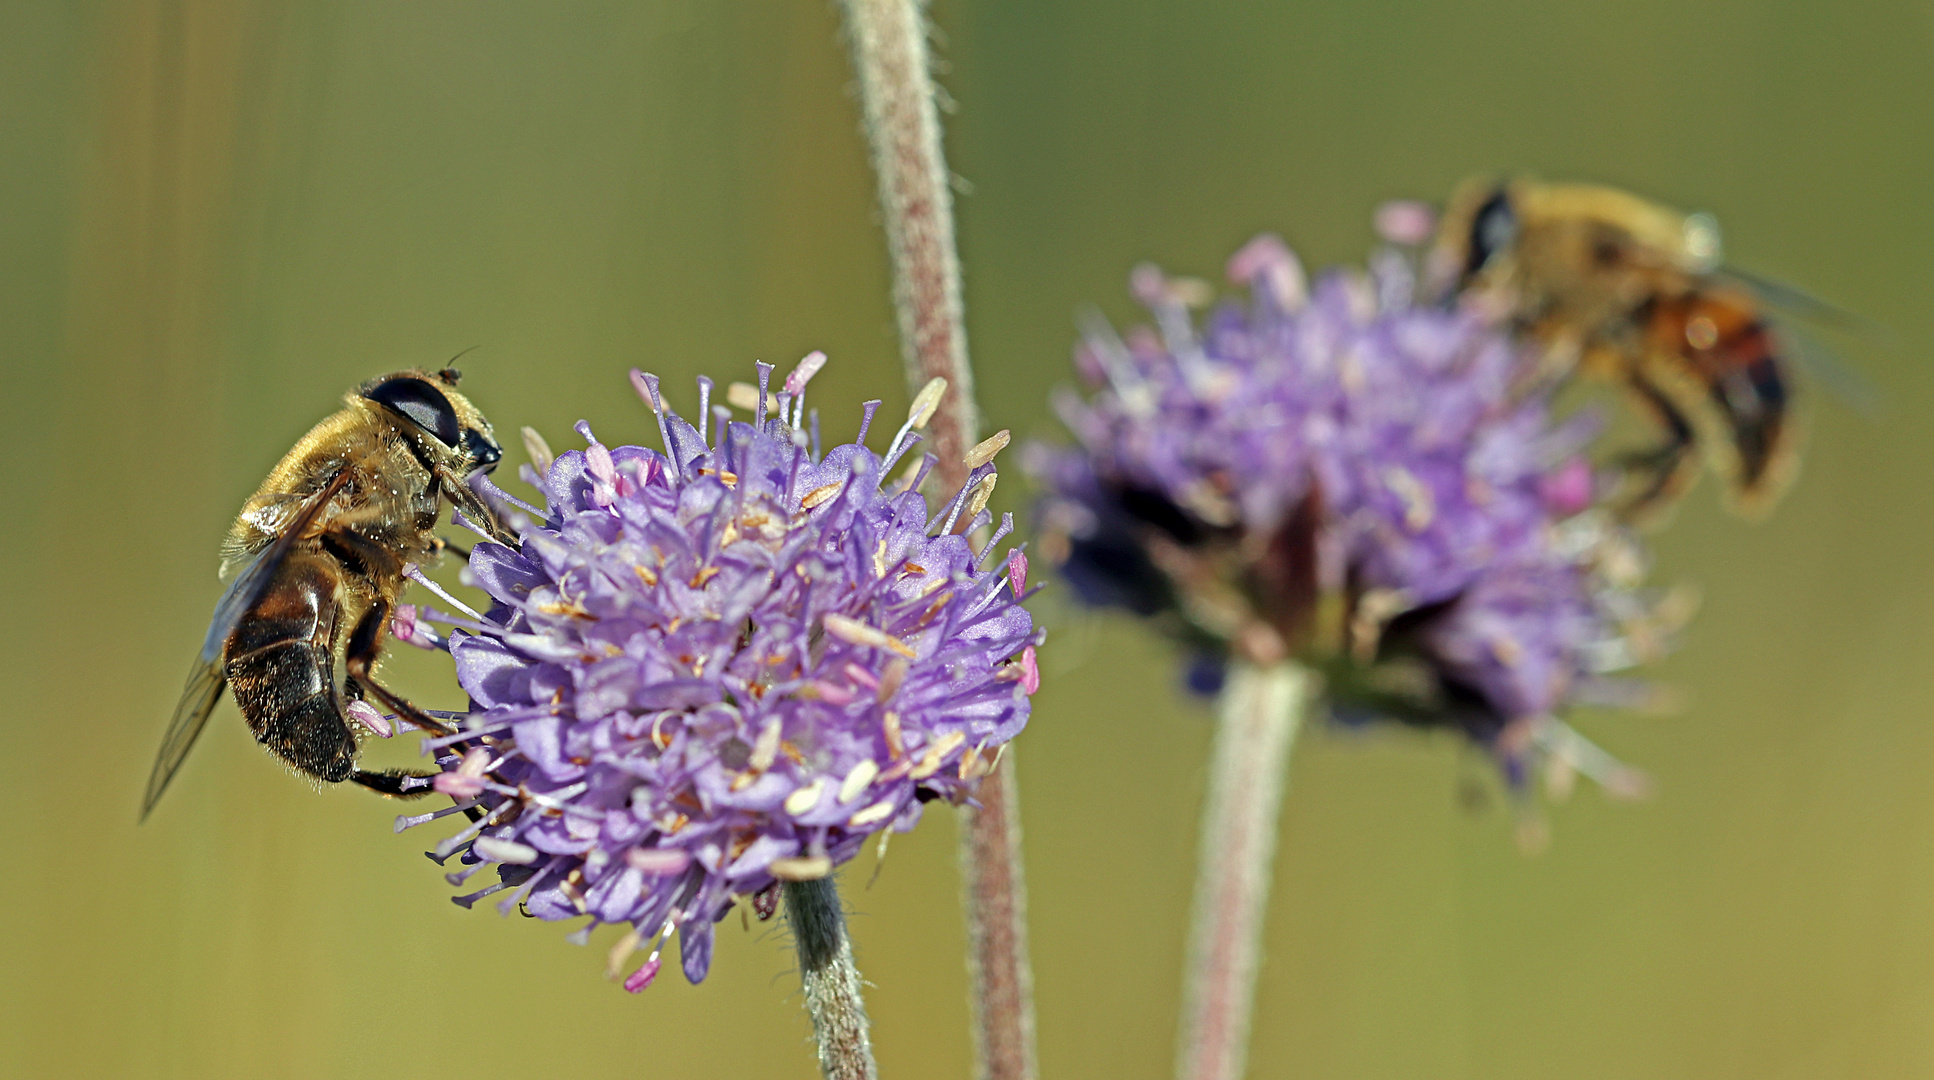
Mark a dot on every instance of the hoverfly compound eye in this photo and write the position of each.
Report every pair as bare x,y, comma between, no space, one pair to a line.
1493,229
421,404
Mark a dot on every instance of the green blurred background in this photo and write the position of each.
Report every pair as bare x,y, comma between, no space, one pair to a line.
215,217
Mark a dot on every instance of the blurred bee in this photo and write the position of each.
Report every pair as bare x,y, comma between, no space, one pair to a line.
318,556
1629,290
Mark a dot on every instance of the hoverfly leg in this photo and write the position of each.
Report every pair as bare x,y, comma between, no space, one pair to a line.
364,646
395,783
1660,475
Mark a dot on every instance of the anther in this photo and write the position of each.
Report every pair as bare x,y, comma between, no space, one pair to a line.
801,867
855,632
365,714
984,451
857,780
878,812
539,451
658,862
505,851
621,951
806,798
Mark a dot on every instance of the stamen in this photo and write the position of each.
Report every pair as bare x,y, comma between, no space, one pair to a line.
1117,363
415,574
746,396
930,761
952,512
855,632
890,680
658,862
1420,506
450,844
467,782
801,868
918,413
1267,265
647,386
806,798
983,491
504,851
878,812
857,780
819,495
365,714
621,951
803,374
831,693
984,451
1406,222
766,749
539,451
637,981
1016,566
896,449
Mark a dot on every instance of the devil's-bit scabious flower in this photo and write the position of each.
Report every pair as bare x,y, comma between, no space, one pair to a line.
724,666
1342,475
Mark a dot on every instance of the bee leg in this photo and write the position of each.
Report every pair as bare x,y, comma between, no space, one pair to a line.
396,783
365,644
440,545
1663,473
476,509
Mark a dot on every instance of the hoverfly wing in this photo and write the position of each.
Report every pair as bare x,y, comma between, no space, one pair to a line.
1798,302
206,678
198,699
1807,314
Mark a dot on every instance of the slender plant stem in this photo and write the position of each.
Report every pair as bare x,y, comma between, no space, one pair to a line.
1260,710
897,95
889,43
831,982
996,898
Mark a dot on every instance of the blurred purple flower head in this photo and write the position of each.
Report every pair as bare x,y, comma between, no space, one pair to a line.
1370,485
724,666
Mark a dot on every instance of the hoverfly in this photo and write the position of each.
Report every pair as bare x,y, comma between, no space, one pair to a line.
1625,289
318,558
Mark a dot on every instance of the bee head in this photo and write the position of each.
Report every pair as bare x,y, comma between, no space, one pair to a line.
1493,230
439,422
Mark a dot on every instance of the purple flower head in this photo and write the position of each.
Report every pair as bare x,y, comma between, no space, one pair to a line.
1340,474
724,666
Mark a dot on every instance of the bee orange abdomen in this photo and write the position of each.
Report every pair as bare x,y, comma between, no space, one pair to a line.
1720,341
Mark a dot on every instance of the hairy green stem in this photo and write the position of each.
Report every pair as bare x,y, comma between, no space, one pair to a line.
830,981
902,120
1260,709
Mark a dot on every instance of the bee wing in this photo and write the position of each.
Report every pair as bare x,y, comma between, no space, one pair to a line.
1807,313
1798,302
205,679
198,699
